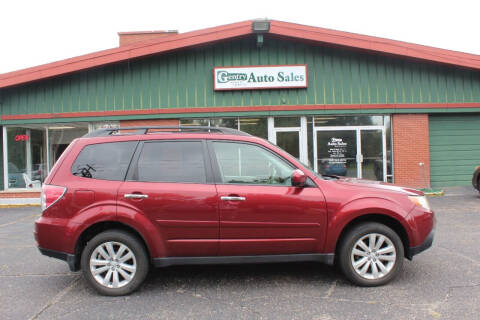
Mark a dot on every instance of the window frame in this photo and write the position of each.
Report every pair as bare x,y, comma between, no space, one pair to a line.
130,176
216,167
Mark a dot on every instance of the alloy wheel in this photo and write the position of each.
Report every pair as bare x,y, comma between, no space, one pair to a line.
113,264
373,256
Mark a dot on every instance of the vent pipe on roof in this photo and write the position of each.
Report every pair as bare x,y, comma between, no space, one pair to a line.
126,38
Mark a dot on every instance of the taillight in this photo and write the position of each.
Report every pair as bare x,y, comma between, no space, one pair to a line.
50,195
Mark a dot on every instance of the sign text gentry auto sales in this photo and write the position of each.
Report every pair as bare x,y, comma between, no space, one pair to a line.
260,77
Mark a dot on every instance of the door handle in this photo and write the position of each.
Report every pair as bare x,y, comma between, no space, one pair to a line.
231,198
135,196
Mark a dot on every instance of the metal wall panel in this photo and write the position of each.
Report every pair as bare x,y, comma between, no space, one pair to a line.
183,79
454,149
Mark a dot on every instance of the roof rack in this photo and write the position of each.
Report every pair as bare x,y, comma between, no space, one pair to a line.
105,132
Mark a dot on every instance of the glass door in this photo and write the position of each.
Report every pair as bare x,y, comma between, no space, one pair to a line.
351,151
289,141
289,133
372,155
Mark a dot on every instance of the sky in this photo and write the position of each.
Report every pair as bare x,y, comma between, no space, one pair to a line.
36,32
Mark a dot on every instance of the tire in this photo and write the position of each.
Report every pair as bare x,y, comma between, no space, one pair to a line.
113,275
386,251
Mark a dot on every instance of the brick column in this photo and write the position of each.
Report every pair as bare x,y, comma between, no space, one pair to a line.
410,148
149,122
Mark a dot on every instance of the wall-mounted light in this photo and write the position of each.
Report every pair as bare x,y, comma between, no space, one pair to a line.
260,26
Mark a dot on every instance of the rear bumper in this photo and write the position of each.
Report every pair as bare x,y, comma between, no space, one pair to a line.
427,243
71,259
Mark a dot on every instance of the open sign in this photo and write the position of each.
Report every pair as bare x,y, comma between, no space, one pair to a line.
21,137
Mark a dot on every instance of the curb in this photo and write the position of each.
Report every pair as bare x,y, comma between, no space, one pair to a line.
19,202
435,193
19,205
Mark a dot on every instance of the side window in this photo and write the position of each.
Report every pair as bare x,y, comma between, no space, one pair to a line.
104,161
171,161
249,164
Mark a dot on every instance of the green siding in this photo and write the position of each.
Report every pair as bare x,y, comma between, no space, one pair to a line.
454,149
184,80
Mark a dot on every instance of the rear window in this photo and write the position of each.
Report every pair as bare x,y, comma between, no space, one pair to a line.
104,161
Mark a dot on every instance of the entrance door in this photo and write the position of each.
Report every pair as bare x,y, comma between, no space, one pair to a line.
289,141
292,138
373,155
351,151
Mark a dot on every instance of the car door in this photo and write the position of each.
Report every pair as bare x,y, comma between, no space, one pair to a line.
261,213
170,183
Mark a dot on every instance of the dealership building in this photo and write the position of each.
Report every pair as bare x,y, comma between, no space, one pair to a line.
346,104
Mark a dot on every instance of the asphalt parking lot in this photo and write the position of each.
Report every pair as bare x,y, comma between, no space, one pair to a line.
441,283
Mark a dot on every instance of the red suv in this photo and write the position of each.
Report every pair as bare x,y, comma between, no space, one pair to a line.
121,200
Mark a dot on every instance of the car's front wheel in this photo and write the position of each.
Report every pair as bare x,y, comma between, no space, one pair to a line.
114,262
371,254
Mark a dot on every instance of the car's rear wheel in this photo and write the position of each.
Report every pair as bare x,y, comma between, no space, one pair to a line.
371,254
115,263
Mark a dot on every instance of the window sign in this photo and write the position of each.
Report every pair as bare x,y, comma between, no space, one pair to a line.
337,149
260,77
21,137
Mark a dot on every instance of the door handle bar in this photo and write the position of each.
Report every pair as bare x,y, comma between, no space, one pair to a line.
224,198
135,196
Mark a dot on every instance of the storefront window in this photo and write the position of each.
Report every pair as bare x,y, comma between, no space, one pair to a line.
287,122
254,126
26,157
361,120
224,122
103,124
195,122
59,137
39,170
32,151
17,154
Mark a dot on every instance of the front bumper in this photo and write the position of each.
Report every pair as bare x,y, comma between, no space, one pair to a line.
427,243
71,259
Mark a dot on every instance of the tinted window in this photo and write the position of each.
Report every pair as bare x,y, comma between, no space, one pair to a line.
250,164
171,161
105,161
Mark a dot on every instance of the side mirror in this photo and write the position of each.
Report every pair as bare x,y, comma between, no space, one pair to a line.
298,178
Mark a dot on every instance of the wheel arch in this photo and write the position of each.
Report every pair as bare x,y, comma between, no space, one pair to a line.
99,227
390,222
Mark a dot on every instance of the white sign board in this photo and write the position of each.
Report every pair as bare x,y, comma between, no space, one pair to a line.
260,77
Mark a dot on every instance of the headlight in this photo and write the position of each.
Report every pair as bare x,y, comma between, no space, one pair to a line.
420,201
